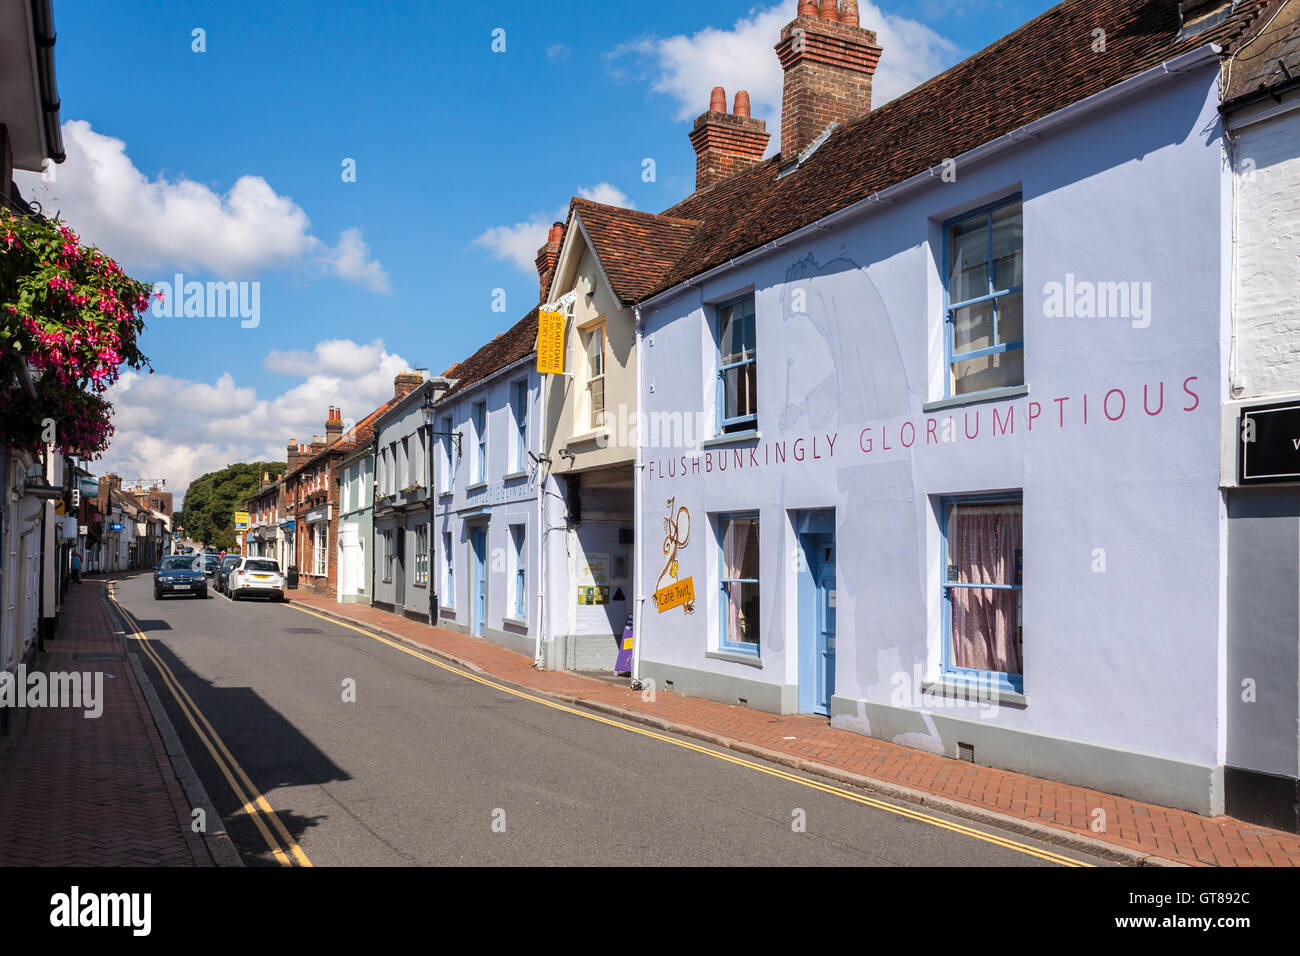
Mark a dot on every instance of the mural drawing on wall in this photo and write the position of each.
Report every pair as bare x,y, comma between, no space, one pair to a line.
677,593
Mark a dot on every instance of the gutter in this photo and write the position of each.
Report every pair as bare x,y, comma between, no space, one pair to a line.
44,37
1185,63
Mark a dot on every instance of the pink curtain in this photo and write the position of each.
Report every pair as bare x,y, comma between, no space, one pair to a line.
983,542
734,545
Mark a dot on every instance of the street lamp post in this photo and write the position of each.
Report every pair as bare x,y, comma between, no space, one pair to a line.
428,408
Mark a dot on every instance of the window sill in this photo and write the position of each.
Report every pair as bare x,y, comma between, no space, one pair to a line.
417,584
729,438
477,486
989,395
587,438
514,476
514,622
444,495
736,657
448,611
968,690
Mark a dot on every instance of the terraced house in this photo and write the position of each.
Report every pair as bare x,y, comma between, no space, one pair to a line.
960,364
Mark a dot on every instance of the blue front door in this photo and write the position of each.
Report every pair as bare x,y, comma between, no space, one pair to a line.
478,538
816,612
826,624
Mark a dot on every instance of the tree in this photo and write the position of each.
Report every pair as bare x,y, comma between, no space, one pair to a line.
212,500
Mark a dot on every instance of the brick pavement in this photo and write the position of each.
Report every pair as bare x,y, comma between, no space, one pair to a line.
1142,828
78,791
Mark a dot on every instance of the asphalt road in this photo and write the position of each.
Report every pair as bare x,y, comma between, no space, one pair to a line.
427,766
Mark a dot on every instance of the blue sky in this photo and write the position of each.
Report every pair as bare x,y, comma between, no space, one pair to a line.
462,156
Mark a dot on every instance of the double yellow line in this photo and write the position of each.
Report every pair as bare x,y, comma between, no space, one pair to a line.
253,803
851,795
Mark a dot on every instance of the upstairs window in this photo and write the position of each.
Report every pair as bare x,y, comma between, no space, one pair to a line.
444,484
519,404
480,432
595,349
984,320
737,367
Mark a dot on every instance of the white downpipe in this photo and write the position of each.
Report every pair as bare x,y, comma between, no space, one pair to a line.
637,546
541,522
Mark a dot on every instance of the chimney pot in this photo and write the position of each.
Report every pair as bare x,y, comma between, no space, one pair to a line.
742,103
849,13
556,235
718,100
808,8
829,11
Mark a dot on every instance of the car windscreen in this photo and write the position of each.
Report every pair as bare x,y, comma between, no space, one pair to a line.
178,563
230,562
211,560
263,566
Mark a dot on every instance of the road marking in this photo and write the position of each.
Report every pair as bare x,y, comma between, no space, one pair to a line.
252,802
878,804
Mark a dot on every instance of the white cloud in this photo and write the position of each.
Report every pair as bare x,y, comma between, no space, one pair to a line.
518,244
161,224
179,428
687,68
557,51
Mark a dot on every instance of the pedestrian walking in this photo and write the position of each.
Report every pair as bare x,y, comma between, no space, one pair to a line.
76,567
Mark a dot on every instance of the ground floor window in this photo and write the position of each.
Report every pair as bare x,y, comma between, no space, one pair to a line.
319,534
983,590
422,554
449,594
738,604
520,575
388,557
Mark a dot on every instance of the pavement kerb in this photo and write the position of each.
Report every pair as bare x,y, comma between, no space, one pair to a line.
1039,831
215,836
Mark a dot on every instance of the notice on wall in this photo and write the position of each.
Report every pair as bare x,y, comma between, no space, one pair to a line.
241,520
593,595
593,570
550,343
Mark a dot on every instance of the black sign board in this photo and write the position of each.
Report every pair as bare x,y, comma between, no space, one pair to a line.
1269,437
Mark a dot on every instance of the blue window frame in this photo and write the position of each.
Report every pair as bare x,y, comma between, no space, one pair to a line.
519,402
737,366
982,582
738,583
984,300
480,433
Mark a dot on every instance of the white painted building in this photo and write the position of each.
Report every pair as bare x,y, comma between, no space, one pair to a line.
962,382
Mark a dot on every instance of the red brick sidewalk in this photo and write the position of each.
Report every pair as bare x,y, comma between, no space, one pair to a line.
1140,828
78,791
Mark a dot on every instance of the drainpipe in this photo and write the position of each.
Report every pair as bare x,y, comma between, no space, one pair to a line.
636,518
374,526
538,661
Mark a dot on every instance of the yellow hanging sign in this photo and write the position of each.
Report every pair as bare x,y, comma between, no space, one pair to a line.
550,343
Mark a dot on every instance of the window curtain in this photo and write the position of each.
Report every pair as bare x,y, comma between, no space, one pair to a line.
983,541
735,544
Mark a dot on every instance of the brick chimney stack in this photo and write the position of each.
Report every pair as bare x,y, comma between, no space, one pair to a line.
726,143
548,256
829,60
294,455
334,425
404,383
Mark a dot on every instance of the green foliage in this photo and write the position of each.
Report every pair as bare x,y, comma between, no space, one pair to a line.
212,500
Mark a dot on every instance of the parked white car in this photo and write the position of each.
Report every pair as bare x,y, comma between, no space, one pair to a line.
254,576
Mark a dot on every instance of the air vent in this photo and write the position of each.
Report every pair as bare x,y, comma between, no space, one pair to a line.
966,752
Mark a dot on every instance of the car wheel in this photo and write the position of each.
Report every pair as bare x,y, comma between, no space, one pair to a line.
234,595
157,595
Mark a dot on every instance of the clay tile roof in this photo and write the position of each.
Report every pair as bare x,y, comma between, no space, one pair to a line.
1044,66
1270,55
635,248
505,349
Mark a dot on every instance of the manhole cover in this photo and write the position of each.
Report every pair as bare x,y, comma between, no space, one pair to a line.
304,630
